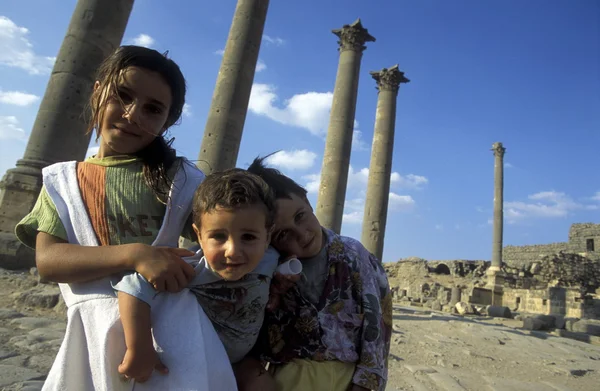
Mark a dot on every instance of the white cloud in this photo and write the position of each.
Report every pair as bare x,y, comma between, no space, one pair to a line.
17,98
309,110
439,227
260,65
314,181
508,165
596,197
545,204
187,110
273,40
400,203
357,142
16,50
10,129
354,208
355,217
92,151
143,40
410,181
293,160
219,52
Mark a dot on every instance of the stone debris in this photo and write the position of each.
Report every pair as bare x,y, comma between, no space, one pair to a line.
464,308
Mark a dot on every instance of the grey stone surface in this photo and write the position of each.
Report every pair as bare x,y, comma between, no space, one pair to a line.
95,30
8,313
227,113
41,296
30,323
338,145
380,167
12,374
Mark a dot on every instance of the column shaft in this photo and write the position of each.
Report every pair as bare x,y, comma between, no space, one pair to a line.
338,145
380,168
95,30
498,204
227,113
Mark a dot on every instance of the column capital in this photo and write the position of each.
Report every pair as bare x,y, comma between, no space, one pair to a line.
353,37
389,79
498,149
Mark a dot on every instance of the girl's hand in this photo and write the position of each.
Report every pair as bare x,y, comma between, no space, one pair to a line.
163,267
280,285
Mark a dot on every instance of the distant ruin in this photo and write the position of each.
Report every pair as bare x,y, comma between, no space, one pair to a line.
561,279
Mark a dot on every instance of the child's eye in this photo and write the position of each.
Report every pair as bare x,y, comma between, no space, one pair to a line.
154,109
125,97
299,216
282,235
248,237
219,237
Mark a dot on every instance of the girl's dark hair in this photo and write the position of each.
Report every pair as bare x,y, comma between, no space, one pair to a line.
283,186
158,157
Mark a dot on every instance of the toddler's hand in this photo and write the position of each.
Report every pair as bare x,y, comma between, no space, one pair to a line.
280,285
139,364
163,267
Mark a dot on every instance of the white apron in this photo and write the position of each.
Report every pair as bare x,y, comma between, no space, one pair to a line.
94,343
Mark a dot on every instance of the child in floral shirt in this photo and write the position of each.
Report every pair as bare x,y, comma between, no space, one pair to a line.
332,330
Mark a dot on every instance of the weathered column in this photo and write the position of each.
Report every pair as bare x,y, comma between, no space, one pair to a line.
494,274
95,30
227,114
380,168
336,158
498,204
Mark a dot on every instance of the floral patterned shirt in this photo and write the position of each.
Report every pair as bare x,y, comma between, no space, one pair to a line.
351,323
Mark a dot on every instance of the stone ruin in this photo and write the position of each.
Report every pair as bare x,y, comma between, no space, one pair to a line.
559,281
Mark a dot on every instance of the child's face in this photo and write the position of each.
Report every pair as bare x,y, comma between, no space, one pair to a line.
297,230
129,128
233,240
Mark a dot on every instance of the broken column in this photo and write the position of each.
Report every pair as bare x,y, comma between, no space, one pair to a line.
380,169
59,132
227,113
336,158
495,278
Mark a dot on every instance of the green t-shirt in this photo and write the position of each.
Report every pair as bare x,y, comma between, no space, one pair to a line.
121,206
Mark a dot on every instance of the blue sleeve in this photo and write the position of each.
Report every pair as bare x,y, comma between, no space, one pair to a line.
135,285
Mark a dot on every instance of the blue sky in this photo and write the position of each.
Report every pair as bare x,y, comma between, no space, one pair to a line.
526,73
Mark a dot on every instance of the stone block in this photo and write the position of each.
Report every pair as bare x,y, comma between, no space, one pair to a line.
464,308
587,326
498,312
539,322
436,306
14,255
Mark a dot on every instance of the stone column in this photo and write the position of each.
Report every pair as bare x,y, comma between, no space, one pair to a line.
336,158
495,277
498,205
95,30
380,168
227,114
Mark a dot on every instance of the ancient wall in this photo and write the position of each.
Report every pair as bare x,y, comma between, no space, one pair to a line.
552,301
584,237
521,257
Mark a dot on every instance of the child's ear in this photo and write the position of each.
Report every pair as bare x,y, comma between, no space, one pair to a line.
196,231
96,85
